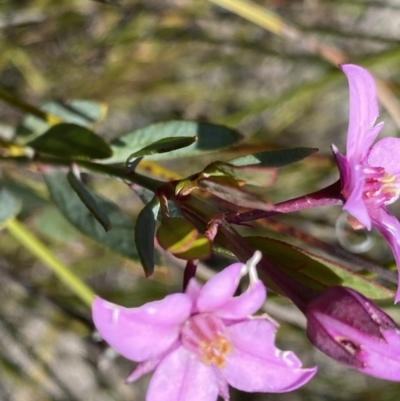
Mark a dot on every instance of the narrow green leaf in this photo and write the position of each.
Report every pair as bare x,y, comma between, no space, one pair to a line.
10,206
163,146
71,140
274,158
210,137
227,188
88,200
316,271
176,234
144,235
250,175
121,238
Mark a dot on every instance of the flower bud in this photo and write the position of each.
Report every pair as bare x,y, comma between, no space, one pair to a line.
352,330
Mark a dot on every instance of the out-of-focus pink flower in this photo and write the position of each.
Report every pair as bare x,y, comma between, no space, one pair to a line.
202,340
370,175
351,329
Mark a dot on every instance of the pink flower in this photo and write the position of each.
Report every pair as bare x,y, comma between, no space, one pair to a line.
351,329
369,174
201,341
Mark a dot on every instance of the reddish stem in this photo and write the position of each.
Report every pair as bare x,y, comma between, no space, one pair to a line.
327,196
190,272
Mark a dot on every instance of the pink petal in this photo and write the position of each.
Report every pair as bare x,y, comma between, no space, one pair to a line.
355,204
389,227
182,377
247,303
342,163
363,111
217,291
257,365
382,359
192,291
223,387
142,369
142,333
385,153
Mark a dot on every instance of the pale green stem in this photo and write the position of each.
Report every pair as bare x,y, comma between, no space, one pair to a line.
30,242
258,15
28,108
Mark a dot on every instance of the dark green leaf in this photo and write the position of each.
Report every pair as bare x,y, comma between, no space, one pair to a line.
274,158
88,200
211,137
80,112
10,205
144,235
121,238
227,188
316,271
164,145
71,140
250,175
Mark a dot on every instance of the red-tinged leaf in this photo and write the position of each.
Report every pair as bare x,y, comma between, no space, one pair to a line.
176,234
316,271
199,249
185,187
228,189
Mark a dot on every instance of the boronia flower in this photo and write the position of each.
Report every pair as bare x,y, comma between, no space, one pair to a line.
351,329
370,175
200,341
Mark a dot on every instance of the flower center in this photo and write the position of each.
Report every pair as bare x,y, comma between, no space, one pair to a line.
205,335
380,187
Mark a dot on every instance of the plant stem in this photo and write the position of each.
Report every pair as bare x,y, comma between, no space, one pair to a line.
189,272
30,242
114,171
28,108
327,196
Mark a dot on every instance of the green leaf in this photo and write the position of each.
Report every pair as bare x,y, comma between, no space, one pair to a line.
144,235
210,137
10,206
121,238
227,188
88,200
51,223
71,140
80,112
163,146
250,175
176,234
316,271
274,158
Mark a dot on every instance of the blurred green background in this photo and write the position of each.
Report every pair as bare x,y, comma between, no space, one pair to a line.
153,60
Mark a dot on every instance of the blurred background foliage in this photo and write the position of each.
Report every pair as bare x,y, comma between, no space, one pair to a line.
146,61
